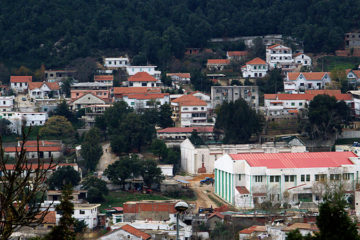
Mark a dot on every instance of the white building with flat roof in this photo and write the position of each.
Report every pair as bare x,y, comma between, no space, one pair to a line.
31,118
116,62
7,103
247,179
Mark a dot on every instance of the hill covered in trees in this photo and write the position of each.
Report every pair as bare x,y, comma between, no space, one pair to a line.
57,31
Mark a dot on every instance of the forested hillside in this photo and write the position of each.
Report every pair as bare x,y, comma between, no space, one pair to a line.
53,32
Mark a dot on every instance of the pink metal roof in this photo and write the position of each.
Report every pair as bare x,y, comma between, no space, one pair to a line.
296,160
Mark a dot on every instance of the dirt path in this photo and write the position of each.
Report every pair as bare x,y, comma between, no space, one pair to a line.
202,193
106,159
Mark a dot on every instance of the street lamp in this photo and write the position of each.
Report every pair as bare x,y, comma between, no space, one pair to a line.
180,207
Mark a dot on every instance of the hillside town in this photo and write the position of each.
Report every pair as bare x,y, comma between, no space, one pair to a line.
250,146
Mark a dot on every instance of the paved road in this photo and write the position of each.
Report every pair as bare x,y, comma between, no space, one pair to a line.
106,159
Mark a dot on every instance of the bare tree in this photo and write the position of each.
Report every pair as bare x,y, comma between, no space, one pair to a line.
22,189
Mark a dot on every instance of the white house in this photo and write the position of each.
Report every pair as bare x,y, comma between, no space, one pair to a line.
353,76
255,68
7,103
217,64
302,59
143,79
132,70
190,110
146,100
19,84
85,212
31,118
200,158
86,101
289,104
179,78
301,81
42,90
283,177
117,62
126,232
166,169
356,98
279,56
47,149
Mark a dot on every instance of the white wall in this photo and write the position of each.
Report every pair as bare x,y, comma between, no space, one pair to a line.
116,62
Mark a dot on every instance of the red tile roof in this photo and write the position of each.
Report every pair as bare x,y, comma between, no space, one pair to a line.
34,143
32,166
324,91
273,46
50,217
21,79
186,129
237,53
52,85
142,77
181,75
189,100
218,61
307,96
143,96
34,149
309,76
296,160
242,190
217,214
356,72
103,78
252,229
256,61
298,54
135,90
136,232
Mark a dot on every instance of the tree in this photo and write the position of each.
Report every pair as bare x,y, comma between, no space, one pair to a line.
62,109
57,126
151,173
122,169
39,74
22,189
4,127
238,121
64,176
91,149
65,229
258,49
221,231
165,116
195,138
333,220
85,69
326,115
97,189
272,82
158,148
66,86
4,74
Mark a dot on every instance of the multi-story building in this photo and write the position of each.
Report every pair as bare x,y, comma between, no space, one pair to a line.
85,101
109,79
217,64
58,75
101,90
7,103
200,159
221,94
116,62
146,100
256,68
30,118
42,90
279,56
302,59
236,55
300,81
179,78
284,104
84,212
19,84
190,110
143,79
132,70
241,179
352,40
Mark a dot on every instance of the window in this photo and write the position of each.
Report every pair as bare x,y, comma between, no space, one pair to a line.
82,212
132,103
292,104
143,84
334,176
258,178
348,176
308,177
239,177
320,177
195,108
274,178
303,178
300,104
185,109
289,178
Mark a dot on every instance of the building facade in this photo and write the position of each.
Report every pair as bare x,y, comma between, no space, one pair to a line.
117,62
132,70
283,177
101,90
217,64
7,103
256,68
19,84
300,81
143,79
30,118
221,94
302,59
279,56
147,100
42,90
